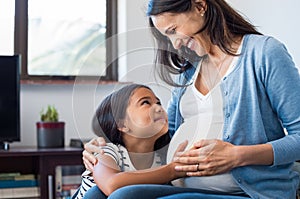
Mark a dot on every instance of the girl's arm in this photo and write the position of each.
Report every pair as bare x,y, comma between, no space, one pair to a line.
108,176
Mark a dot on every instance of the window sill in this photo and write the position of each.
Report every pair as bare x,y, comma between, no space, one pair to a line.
68,82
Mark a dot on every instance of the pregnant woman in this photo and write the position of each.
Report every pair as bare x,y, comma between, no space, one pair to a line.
240,92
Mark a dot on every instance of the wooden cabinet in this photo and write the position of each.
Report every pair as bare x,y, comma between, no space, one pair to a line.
41,162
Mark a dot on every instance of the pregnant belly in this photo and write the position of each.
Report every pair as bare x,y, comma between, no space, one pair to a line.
194,129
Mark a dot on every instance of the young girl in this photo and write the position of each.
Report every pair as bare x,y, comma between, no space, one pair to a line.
135,123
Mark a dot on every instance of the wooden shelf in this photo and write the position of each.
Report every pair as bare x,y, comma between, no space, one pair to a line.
41,162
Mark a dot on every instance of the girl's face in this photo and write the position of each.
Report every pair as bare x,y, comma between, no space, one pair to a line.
145,116
182,28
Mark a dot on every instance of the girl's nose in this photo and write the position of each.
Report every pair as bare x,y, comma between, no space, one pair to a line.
158,108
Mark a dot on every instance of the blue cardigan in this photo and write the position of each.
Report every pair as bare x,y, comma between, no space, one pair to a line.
261,97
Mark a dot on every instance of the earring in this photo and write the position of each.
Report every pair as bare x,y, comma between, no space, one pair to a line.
202,14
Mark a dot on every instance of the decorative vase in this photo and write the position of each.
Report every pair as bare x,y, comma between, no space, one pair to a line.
50,134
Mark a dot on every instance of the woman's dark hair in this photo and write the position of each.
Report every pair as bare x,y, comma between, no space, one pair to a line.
112,111
222,24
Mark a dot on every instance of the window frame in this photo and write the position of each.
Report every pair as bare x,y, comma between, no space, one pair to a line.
21,44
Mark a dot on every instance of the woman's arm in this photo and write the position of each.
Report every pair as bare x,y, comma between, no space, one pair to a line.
108,176
216,156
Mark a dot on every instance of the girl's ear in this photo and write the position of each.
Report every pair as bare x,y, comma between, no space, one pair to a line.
123,127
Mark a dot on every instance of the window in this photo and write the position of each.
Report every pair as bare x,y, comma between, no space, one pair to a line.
7,24
65,39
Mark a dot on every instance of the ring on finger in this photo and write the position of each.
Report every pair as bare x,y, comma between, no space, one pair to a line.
198,167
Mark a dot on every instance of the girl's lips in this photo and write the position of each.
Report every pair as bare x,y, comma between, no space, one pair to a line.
160,119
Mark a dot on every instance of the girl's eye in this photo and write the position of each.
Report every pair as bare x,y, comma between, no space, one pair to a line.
158,103
145,102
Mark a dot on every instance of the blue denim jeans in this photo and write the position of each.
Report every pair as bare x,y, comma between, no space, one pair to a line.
150,191
94,193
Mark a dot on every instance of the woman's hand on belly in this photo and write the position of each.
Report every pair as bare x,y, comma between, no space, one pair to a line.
208,157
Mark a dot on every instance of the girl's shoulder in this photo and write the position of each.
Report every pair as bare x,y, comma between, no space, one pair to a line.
115,151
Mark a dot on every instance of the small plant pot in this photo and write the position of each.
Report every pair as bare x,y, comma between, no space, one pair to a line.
50,134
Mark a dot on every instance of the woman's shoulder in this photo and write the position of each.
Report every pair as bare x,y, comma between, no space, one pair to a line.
265,51
256,37
266,46
254,41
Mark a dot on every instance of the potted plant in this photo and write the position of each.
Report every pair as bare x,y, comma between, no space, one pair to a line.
50,131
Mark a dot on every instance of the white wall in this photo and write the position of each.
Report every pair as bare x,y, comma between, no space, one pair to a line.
276,18
76,102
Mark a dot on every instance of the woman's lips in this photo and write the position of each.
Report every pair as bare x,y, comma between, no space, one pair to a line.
191,44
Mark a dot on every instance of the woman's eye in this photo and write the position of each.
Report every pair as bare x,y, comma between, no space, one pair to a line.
173,31
158,103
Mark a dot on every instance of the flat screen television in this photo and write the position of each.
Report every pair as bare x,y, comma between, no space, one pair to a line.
9,100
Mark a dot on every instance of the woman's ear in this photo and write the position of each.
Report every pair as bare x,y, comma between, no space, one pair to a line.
201,6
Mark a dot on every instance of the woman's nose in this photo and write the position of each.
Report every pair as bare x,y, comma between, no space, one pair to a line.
176,42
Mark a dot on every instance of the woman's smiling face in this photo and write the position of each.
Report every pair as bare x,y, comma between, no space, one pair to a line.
182,28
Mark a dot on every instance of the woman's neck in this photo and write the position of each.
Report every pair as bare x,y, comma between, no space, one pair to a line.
216,55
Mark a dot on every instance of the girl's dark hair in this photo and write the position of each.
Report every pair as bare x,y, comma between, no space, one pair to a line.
222,24
112,111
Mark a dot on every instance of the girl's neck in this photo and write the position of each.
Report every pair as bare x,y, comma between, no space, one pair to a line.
142,160
141,151
138,145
